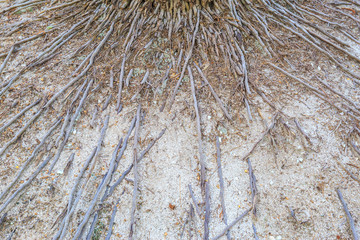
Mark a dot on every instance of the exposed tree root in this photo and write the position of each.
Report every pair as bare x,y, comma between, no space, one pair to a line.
187,35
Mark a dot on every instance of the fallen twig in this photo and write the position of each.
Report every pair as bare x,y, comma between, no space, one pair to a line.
253,187
228,227
348,172
221,182
135,149
194,201
121,84
301,130
207,211
12,50
110,228
357,150
198,126
273,121
214,93
255,232
350,219
106,104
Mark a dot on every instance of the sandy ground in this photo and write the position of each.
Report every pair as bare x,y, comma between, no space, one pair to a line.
296,178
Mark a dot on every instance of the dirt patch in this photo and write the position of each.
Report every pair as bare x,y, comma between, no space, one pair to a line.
296,176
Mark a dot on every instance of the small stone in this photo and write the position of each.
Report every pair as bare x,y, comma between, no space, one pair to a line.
278,238
222,130
271,238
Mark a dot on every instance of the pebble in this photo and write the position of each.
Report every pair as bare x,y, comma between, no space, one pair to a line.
273,238
222,130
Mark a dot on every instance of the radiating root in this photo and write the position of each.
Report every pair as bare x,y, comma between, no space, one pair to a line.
207,34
